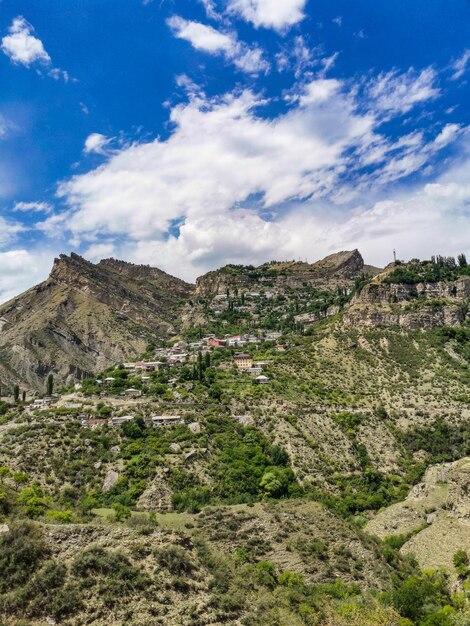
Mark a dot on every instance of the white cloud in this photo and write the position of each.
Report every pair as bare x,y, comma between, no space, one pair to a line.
21,46
58,74
459,66
397,93
33,207
96,143
211,9
98,251
20,269
201,36
448,134
319,91
429,219
276,14
245,187
208,39
219,154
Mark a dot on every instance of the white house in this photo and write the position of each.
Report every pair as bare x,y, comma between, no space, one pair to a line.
166,420
122,419
262,380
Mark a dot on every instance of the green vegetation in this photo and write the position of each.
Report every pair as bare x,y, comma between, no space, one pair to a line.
437,269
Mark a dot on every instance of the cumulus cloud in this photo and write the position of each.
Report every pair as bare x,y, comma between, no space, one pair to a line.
236,182
459,67
98,251
22,46
220,153
20,269
208,39
96,143
275,14
398,92
429,219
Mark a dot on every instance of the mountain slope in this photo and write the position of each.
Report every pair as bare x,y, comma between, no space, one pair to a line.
85,317
336,270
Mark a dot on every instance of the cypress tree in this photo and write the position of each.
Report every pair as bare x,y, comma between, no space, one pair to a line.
50,385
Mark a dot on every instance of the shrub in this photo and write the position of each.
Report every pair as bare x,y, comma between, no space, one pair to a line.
175,559
21,551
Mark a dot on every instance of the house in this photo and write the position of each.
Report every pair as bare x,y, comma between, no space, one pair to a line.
261,364
122,419
40,403
166,420
262,380
236,340
110,380
243,361
213,342
133,393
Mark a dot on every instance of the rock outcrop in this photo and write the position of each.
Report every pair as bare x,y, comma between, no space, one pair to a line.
85,317
423,305
336,270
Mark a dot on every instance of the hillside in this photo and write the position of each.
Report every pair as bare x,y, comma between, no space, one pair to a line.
337,270
290,487
85,317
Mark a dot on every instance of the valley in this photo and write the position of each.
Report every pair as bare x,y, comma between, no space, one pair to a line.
281,445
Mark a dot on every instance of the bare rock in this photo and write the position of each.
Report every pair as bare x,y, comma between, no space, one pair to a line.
110,480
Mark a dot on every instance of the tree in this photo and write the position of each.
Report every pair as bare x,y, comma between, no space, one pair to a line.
50,384
24,396
461,562
16,393
462,260
4,472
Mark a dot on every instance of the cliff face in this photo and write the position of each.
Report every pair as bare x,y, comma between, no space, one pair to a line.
336,270
85,317
424,305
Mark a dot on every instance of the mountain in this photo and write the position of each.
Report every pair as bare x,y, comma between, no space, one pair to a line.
293,502
414,296
85,317
336,270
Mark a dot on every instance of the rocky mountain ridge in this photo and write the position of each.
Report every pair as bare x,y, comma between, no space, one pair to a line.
336,270
409,306
84,317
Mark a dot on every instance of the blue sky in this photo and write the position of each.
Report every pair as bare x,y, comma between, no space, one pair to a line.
191,134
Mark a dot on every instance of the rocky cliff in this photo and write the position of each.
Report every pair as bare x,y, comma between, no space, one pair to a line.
336,270
85,317
410,306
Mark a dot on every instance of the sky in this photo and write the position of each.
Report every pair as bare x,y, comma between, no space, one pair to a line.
191,134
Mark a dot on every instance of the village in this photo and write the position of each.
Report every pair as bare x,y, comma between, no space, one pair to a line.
118,396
